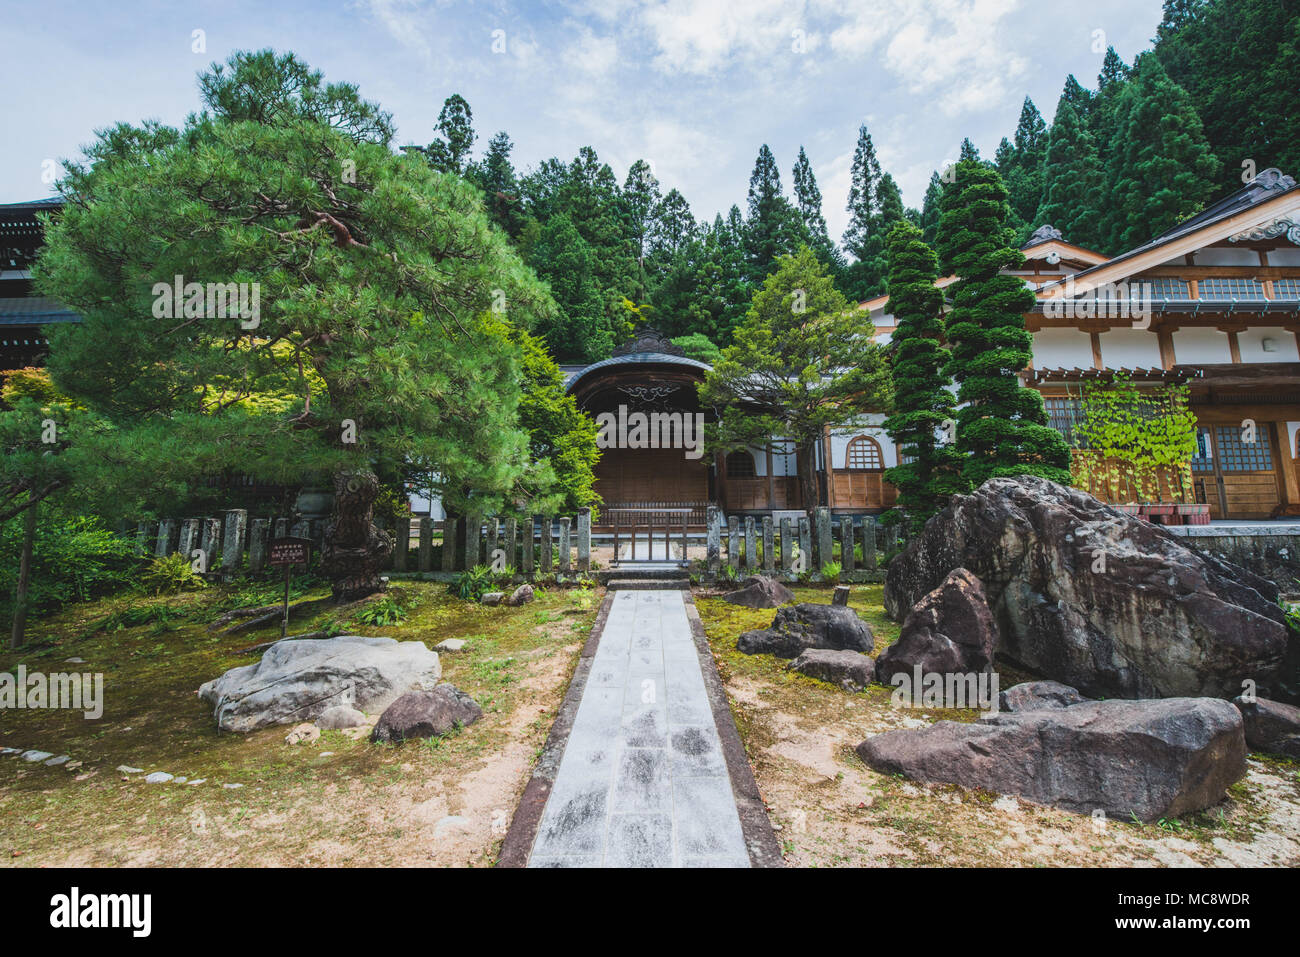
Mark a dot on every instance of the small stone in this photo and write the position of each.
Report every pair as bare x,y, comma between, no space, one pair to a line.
327,754
356,734
85,776
72,766
181,780
341,716
196,782
35,756
74,661
55,762
232,787
521,596
304,733
493,598
126,769
450,644
158,777
5,752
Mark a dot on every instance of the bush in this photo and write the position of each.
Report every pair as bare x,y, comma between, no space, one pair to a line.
383,611
74,558
473,584
170,576
831,571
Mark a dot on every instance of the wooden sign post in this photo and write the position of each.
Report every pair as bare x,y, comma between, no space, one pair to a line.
288,551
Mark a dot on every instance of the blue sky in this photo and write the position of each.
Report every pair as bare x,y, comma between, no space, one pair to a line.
694,86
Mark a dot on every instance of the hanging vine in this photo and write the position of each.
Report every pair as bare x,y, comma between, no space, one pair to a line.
1130,437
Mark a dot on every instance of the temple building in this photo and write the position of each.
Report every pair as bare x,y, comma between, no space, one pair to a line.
22,315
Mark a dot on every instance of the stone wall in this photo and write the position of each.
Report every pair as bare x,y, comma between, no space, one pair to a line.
1270,550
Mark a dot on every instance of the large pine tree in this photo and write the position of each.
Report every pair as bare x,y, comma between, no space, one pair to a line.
808,200
773,227
922,403
1002,426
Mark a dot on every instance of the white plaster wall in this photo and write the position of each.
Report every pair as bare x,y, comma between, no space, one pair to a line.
872,425
1062,349
1251,343
1227,257
1130,349
1293,429
782,464
1203,346
1284,257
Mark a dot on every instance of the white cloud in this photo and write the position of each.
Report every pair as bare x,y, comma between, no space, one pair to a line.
702,36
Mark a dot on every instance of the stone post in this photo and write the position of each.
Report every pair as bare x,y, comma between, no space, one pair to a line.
733,541
189,540
530,566
546,545
426,544
473,541
232,548
143,537
584,540
787,544
449,544
512,543
769,559
168,535
257,545
493,540
713,544
403,544
805,542
565,543
281,527
751,545
847,558
209,542
825,544
869,542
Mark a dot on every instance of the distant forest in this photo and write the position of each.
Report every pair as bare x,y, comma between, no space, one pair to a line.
1213,100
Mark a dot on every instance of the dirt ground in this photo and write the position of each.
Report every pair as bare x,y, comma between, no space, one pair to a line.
254,800
834,811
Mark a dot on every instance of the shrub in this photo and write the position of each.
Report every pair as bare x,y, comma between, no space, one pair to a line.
170,576
385,610
473,584
831,571
74,558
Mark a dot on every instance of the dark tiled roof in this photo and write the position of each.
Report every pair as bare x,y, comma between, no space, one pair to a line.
34,311
635,358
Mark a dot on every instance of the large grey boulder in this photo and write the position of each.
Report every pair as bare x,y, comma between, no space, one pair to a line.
1271,726
760,591
299,680
1038,696
809,626
426,714
1097,599
851,670
949,631
1153,758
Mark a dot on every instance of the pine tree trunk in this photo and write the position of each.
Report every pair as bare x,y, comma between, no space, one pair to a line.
807,464
24,580
355,550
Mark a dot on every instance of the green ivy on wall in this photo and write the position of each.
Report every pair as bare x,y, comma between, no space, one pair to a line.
1131,436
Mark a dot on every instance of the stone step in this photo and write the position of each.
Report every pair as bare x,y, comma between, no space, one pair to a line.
648,584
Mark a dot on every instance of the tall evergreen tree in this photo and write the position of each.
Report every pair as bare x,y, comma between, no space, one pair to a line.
674,226
641,199
864,178
1002,426
922,401
495,175
1072,189
930,209
450,150
1160,167
808,200
968,151
1025,179
580,330
773,227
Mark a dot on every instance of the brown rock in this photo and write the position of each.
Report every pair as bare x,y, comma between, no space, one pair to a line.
1271,726
949,631
760,591
426,714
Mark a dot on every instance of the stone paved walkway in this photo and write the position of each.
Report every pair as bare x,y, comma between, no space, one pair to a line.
643,781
